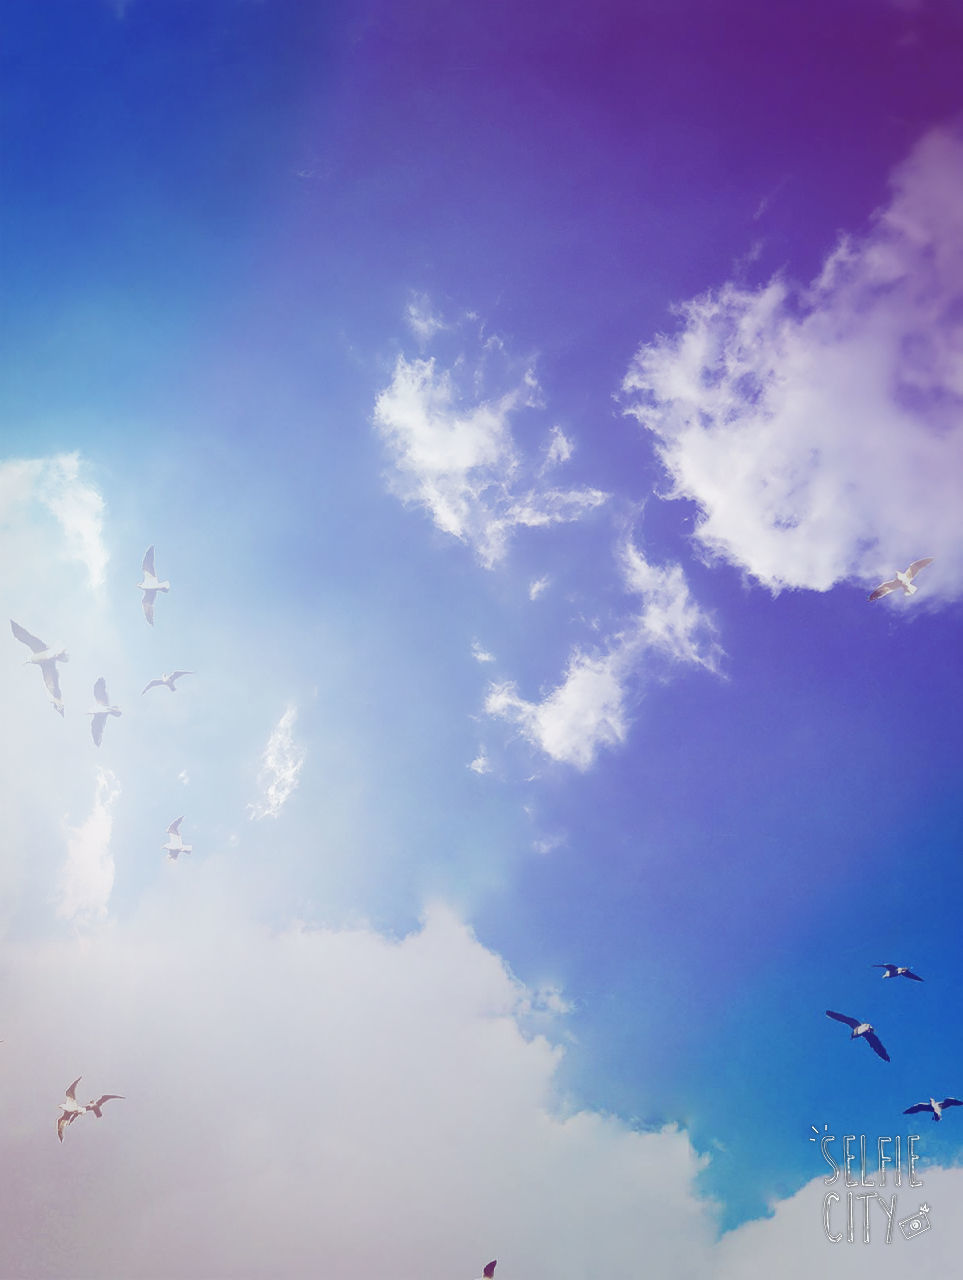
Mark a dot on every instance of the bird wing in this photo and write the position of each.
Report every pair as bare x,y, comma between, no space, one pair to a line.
915,567
104,1097
62,1121
951,1102
908,973
148,565
97,729
876,1045
100,692
23,634
148,603
51,679
841,1017
151,685
489,1271
70,1091
884,589
920,1106
176,675
174,828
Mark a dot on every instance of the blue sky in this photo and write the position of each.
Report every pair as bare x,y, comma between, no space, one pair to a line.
522,402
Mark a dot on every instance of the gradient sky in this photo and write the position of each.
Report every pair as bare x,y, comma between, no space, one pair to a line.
522,401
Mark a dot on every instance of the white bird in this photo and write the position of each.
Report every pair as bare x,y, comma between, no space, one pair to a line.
150,585
70,1109
897,971
861,1029
101,712
175,844
934,1106
46,659
904,580
166,679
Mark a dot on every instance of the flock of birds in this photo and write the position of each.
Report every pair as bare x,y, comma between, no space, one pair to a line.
866,1031
46,658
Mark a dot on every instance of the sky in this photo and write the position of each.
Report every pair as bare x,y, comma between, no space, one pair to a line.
522,401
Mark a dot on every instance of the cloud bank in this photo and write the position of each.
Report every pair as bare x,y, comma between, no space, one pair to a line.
819,430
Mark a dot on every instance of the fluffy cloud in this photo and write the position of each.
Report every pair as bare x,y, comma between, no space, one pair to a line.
87,876
280,768
455,455
820,430
410,1125
588,709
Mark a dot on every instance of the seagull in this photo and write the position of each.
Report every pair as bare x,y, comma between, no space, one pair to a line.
904,580
95,1106
150,585
104,709
46,659
897,971
70,1109
166,679
175,844
934,1106
861,1029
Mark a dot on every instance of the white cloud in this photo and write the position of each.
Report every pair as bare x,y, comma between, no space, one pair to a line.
560,448
820,430
280,768
455,455
588,709
481,763
422,320
87,876
480,654
537,587
411,1125
55,484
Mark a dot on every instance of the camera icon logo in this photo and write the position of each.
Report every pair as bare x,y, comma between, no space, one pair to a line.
916,1223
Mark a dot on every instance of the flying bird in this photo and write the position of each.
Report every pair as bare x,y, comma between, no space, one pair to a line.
861,1029
904,580
934,1106
897,971
166,679
101,712
70,1109
95,1106
46,659
150,585
175,844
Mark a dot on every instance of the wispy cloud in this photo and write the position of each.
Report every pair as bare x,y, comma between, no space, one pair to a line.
56,484
481,763
422,319
455,454
280,768
820,430
588,709
560,449
480,654
87,876
537,587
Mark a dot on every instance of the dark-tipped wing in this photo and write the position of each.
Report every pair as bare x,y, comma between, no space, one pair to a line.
148,565
23,634
951,1102
70,1090
104,1097
915,567
894,967
874,1042
884,589
841,1017
920,1106
908,973
100,692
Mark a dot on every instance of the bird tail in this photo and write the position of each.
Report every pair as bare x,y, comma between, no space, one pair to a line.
163,586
